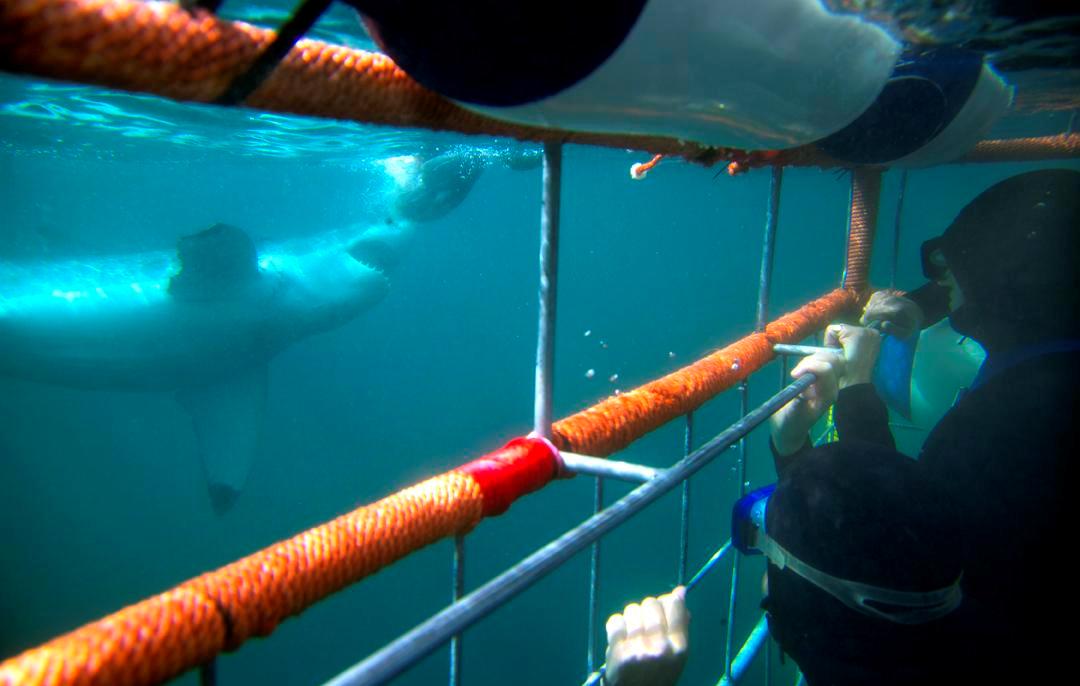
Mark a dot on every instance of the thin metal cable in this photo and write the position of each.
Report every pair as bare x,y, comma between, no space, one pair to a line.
768,247
458,590
684,511
294,28
594,582
729,644
896,229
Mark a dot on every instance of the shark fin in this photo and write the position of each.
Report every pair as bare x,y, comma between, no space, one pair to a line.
214,263
228,419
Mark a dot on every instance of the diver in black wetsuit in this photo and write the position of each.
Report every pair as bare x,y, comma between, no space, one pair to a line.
1006,272
987,496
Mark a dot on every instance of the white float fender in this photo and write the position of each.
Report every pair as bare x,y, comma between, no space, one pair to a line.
990,99
742,73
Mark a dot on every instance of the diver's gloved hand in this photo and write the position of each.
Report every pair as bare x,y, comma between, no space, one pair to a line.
860,347
647,643
791,423
897,315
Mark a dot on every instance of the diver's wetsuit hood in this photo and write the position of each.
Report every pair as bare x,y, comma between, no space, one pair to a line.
1013,251
866,513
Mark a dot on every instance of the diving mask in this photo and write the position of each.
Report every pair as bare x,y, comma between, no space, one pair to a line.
748,535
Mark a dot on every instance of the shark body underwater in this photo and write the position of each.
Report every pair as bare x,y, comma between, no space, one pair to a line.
203,323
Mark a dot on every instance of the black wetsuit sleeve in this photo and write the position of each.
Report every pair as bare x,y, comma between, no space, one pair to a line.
933,300
782,462
861,415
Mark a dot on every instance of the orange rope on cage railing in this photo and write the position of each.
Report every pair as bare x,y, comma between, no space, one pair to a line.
160,48
167,634
618,421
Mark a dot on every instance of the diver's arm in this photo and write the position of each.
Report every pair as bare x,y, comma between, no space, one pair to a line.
782,462
861,415
789,427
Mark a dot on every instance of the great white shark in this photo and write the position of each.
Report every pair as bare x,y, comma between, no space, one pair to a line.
202,322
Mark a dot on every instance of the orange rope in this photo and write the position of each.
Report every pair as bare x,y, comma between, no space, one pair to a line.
157,47
165,635
638,170
614,423
862,222
1061,147
182,628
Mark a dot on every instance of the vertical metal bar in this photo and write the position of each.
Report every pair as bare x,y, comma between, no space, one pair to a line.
896,229
768,248
208,673
749,650
744,396
594,583
549,268
684,512
783,371
457,568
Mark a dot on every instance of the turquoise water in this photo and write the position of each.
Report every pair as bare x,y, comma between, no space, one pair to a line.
102,496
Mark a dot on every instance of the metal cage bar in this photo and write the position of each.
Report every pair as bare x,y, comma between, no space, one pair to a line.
747,653
594,582
684,505
403,652
549,269
458,590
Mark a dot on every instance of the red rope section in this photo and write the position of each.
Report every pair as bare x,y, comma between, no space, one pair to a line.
862,222
522,466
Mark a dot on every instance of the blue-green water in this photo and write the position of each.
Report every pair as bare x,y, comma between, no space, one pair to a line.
102,496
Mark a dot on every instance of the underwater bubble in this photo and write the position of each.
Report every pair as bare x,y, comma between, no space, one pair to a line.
590,374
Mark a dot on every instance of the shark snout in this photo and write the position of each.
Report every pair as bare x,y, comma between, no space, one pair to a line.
383,246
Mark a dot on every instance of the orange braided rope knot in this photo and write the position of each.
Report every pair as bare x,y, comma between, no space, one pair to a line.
160,48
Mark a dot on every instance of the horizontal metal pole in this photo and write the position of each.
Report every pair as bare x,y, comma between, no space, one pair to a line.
612,469
402,653
785,349
747,653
